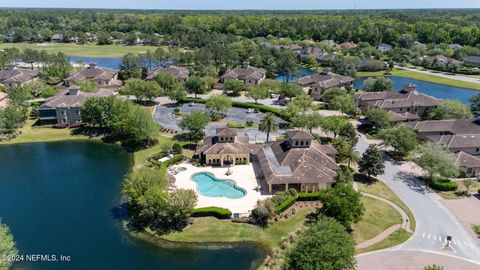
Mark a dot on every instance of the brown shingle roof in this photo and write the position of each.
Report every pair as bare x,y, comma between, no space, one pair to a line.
324,80
299,135
400,117
457,141
226,132
177,72
92,72
68,100
401,99
456,126
17,75
466,160
280,163
245,73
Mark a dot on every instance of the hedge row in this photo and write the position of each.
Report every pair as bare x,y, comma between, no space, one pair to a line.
444,185
245,105
174,160
314,196
285,204
218,212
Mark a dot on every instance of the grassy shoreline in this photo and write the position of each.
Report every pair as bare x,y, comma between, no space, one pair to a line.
85,50
423,77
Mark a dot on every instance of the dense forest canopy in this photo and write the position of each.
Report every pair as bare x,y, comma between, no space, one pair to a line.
374,27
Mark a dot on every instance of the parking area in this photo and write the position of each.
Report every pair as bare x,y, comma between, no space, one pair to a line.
164,115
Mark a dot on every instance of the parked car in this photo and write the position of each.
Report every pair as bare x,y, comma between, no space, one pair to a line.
274,96
191,104
250,110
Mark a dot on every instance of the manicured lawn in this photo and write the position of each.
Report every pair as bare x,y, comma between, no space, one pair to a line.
379,189
30,133
396,238
451,195
423,77
210,229
378,217
81,50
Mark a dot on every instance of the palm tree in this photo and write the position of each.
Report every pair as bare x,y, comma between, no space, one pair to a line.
268,124
349,154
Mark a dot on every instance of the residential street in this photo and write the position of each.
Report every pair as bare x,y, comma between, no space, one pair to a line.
457,77
434,221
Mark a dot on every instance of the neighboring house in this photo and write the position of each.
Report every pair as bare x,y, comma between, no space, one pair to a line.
443,59
293,47
384,47
12,76
298,162
311,51
64,109
246,73
368,64
407,100
226,148
470,164
180,73
456,135
455,46
472,61
326,57
347,45
57,38
328,42
317,84
102,77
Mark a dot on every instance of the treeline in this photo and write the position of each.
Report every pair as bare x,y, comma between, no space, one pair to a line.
195,28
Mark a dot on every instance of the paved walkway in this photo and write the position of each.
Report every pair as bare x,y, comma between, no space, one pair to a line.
457,77
380,237
411,260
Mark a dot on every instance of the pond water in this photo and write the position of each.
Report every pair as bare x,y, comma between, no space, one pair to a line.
113,63
64,198
432,89
210,186
302,72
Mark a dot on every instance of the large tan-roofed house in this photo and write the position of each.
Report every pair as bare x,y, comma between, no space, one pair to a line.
317,84
64,109
102,77
403,104
298,162
460,136
246,73
226,148
180,73
12,76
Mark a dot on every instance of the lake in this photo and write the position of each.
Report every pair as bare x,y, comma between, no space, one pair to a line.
432,89
113,63
65,198
302,72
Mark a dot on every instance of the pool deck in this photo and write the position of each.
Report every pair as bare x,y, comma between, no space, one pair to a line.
244,177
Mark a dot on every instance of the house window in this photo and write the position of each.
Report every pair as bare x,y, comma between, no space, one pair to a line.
401,109
477,150
296,142
408,109
469,170
306,143
301,143
231,138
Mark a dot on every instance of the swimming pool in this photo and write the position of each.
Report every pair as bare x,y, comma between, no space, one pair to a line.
210,186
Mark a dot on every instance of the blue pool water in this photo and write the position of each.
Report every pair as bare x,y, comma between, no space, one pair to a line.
432,89
210,186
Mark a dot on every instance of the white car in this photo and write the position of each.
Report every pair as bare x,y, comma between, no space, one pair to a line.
250,110
273,96
190,104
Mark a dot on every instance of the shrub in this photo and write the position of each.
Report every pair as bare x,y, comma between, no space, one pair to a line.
443,185
476,229
177,148
231,124
176,159
285,205
314,196
249,123
218,212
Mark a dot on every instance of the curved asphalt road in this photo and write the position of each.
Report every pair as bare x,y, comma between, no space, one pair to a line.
434,221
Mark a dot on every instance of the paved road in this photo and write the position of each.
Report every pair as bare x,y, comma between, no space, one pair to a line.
434,221
445,75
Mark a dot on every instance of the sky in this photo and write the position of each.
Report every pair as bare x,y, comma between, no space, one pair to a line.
244,4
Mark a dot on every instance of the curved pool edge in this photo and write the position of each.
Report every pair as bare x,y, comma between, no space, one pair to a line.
215,178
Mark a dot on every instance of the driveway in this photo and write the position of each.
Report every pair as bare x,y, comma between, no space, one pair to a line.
434,221
164,116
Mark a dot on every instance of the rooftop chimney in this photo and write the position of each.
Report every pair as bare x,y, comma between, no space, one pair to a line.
326,71
92,65
410,87
73,91
245,64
